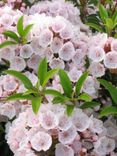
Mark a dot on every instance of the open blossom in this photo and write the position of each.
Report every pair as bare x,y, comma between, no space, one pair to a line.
96,125
7,53
26,51
45,38
48,120
97,69
56,44
17,63
114,45
67,51
41,141
104,145
66,33
110,60
8,110
57,63
68,136
63,150
64,122
80,120
96,54
74,74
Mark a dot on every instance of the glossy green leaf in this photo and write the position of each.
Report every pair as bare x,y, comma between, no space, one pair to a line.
20,26
19,96
58,100
80,82
103,12
36,103
114,17
30,91
11,34
112,90
53,92
66,83
49,75
69,109
85,97
95,26
27,30
27,83
7,43
110,110
42,70
109,23
89,105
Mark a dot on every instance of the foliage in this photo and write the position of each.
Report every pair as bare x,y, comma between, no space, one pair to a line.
19,37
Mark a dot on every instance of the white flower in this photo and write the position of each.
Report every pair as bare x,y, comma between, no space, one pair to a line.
114,45
64,122
68,136
57,63
56,44
96,54
48,120
7,53
110,60
45,38
33,62
63,150
41,141
58,25
97,69
96,125
17,63
104,145
74,74
80,120
8,110
66,33
26,51
67,51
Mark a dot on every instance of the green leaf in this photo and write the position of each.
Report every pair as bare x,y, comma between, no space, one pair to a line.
36,103
95,26
19,96
20,26
27,30
80,82
110,110
103,12
89,105
109,23
53,92
65,82
85,97
7,43
42,70
49,75
11,34
112,90
58,99
31,91
69,109
114,17
27,83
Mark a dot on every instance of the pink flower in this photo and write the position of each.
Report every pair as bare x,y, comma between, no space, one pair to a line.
68,136
110,60
41,141
63,150
67,51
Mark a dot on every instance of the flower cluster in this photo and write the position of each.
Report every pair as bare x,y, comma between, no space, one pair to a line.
59,35
8,86
78,134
